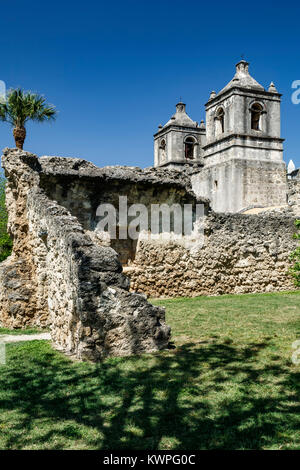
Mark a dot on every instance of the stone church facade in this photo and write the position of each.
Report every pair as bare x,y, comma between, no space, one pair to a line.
237,158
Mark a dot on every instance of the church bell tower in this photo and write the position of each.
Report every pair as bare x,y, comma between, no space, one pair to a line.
179,142
243,154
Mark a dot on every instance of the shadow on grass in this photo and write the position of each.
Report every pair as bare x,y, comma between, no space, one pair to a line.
216,396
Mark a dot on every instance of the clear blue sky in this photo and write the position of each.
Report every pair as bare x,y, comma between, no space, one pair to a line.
116,69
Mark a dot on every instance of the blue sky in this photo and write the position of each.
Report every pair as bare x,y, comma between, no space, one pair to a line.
116,69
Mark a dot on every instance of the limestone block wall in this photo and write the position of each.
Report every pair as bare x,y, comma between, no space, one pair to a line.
237,184
241,254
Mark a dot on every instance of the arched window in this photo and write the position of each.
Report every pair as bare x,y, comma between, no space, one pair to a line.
256,112
189,145
162,150
220,121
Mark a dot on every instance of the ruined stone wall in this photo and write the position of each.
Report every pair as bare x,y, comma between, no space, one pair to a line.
241,254
63,275
81,187
75,284
23,301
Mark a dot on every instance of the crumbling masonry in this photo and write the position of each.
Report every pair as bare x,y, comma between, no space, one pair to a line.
58,276
90,290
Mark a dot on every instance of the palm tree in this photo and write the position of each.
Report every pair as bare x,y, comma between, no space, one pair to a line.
20,107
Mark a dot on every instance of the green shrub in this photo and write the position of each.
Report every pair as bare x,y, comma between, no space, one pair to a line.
295,256
5,240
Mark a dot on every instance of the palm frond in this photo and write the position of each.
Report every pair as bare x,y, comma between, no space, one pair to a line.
21,106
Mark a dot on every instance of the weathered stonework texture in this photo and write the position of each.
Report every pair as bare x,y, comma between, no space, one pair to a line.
239,183
241,254
65,274
58,276
294,192
22,300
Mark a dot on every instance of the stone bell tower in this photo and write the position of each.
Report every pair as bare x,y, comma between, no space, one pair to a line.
180,141
243,154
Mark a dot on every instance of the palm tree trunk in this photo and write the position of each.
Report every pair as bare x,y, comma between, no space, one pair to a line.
19,135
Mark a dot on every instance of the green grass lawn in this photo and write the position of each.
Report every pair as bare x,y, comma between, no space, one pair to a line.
229,384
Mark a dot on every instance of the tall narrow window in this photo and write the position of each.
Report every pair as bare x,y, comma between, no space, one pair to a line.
220,121
162,150
256,112
189,147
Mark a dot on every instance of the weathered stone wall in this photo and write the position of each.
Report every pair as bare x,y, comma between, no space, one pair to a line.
22,298
241,254
294,192
238,183
62,274
81,188
76,285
